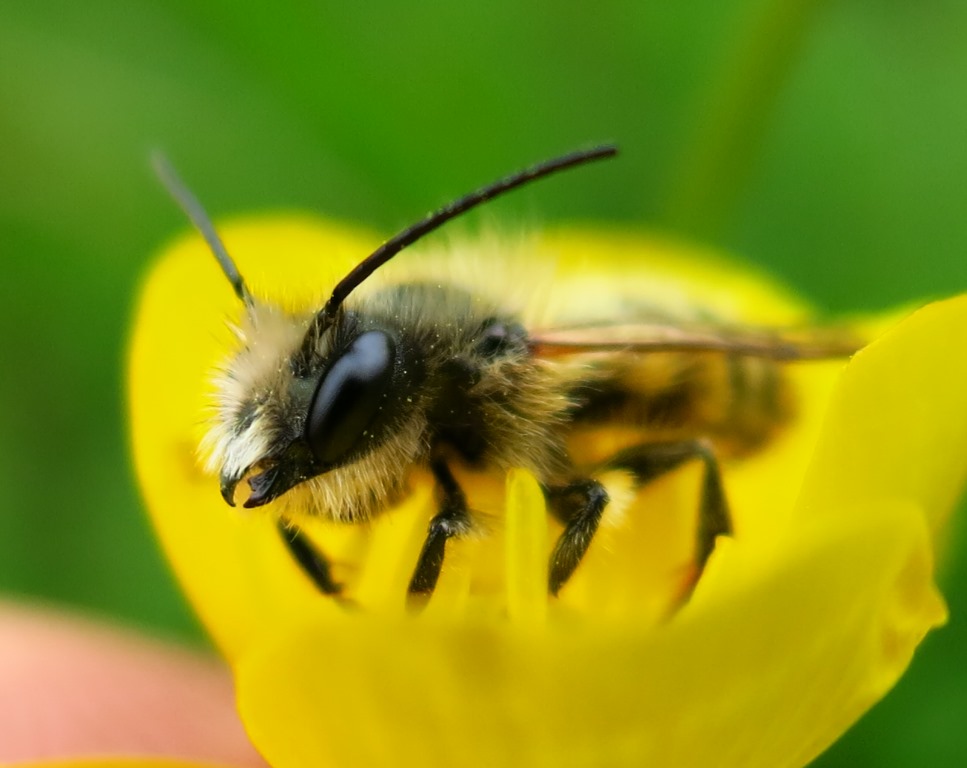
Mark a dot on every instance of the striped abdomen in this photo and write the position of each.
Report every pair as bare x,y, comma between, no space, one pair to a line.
737,401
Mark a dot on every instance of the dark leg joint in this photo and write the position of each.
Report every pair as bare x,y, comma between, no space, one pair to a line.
579,506
650,461
453,519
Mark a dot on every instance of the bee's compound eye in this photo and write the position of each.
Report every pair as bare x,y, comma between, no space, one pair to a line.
349,397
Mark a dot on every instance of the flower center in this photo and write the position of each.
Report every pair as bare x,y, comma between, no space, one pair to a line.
639,565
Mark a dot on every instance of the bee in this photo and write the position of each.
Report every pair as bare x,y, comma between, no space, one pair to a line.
325,414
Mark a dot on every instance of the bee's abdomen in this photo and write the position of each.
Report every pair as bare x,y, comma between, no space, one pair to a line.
737,401
760,401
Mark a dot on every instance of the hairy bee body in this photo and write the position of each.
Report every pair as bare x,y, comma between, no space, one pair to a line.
469,388
465,384
327,411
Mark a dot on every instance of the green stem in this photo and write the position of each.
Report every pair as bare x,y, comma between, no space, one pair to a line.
733,118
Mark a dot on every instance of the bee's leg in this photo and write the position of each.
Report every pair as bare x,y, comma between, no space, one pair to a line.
309,558
650,461
579,506
453,519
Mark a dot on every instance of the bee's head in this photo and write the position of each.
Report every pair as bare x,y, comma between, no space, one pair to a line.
315,395
301,398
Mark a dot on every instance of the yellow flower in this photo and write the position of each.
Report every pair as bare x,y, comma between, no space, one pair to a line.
801,621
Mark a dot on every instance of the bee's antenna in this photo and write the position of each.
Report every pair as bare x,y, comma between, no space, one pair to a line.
194,210
413,233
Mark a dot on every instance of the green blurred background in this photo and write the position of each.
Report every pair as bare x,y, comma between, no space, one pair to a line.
825,141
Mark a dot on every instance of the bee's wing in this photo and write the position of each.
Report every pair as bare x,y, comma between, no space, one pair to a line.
642,337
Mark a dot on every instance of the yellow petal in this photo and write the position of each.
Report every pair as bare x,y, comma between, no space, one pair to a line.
767,677
526,548
897,424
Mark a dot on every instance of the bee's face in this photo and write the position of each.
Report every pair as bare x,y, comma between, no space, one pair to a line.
296,402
